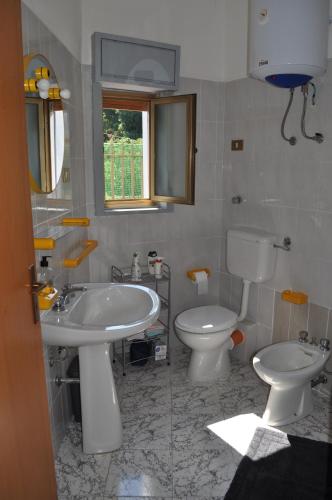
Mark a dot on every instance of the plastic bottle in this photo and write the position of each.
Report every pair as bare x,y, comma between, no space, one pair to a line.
46,272
136,272
151,258
158,267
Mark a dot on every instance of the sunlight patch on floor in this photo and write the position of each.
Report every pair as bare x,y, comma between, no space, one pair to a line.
239,431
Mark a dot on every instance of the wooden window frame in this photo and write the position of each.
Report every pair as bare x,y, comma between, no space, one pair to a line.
44,146
190,101
137,101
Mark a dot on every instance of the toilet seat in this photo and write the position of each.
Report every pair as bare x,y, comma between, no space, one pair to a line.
206,319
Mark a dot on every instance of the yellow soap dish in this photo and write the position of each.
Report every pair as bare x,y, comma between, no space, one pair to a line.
294,297
46,297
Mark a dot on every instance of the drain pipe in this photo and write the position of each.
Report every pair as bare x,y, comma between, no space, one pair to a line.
244,301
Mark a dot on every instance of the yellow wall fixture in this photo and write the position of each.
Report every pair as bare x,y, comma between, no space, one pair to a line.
44,243
294,297
54,93
75,221
30,85
42,72
89,246
191,273
47,297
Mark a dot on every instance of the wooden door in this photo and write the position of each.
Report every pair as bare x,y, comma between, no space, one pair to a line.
26,461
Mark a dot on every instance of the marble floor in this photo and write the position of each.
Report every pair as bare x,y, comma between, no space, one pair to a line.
168,452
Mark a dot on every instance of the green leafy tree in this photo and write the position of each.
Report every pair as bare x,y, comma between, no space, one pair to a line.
120,124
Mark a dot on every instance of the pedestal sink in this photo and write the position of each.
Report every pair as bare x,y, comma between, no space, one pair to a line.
91,321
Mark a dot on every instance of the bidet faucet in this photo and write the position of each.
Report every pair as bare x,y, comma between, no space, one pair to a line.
303,337
63,299
324,344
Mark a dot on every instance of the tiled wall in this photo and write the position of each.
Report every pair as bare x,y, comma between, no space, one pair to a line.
68,198
188,237
287,190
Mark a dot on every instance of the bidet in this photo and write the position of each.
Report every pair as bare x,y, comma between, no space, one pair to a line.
289,367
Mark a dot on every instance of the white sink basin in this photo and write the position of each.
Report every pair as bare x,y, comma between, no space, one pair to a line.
91,321
104,313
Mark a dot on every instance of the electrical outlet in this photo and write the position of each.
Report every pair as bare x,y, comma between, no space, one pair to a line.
237,145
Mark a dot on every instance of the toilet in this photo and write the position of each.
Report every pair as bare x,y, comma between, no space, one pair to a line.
207,330
289,368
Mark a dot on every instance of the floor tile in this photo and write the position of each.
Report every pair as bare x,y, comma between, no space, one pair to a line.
80,475
168,452
140,472
153,373
189,430
203,473
150,431
145,398
138,498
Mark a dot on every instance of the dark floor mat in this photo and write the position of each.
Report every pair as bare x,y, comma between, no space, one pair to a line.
283,467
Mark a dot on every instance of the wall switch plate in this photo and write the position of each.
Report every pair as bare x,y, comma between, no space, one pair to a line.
237,145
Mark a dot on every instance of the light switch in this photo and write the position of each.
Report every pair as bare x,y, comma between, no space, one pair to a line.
237,145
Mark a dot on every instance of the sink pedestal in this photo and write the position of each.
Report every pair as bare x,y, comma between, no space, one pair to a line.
101,420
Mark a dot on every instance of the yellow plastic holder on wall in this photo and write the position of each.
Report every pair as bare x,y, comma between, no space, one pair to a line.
44,243
191,273
89,246
75,221
294,297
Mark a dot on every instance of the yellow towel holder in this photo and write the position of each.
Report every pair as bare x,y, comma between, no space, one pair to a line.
44,243
75,221
89,246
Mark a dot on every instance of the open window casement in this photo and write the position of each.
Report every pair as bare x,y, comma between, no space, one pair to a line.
172,149
148,151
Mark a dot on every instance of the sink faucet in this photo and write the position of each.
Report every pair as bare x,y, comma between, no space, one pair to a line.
63,299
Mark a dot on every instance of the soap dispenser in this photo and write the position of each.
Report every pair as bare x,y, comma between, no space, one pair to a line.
45,272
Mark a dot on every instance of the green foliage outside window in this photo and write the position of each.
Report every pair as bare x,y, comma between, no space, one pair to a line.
125,158
123,154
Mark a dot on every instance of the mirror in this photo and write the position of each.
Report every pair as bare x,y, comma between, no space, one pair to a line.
45,124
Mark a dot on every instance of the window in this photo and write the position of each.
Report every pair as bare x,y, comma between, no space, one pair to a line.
148,148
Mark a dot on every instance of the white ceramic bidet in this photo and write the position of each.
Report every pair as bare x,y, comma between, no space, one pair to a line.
289,368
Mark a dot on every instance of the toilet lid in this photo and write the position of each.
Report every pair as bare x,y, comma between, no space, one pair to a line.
206,319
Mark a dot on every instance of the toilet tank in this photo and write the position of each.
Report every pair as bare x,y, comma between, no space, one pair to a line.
250,254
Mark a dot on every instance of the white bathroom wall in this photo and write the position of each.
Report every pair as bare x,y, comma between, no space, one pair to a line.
63,18
287,190
195,25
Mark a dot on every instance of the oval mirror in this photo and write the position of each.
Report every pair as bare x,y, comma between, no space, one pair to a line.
45,123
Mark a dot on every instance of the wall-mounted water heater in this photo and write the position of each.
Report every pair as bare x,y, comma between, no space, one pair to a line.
288,40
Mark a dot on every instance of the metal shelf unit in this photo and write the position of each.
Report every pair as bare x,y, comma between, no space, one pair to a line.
123,275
